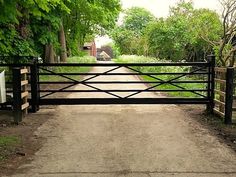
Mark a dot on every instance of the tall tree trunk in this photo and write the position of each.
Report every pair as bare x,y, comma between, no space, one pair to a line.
62,39
49,53
46,53
69,52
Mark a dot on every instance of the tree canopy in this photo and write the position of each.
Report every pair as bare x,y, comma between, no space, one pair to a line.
184,35
53,28
136,19
59,28
128,36
225,47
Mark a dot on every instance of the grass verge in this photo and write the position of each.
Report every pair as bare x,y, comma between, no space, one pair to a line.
165,69
7,146
68,69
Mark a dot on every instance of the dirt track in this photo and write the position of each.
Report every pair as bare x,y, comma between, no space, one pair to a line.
127,141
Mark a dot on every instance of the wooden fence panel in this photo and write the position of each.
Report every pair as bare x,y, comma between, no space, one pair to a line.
224,88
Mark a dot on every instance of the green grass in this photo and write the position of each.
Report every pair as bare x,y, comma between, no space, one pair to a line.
170,69
7,144
68,69
8,140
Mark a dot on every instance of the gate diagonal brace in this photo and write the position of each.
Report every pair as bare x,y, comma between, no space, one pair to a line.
165,82
83,82
69,86
97,75
102,90
170,82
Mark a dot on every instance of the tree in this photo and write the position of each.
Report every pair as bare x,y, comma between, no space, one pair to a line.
204,24
169,38
32,25
49,28
62,39
129,36
123,39
13,30
136,19
226,47
8,12
181,36
88,17
157,37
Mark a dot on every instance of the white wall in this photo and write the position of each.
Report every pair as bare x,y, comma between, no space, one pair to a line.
2,87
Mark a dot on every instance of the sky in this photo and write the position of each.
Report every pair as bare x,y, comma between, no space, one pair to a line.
160,8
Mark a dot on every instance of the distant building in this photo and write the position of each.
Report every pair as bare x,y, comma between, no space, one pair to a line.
108,50
102,55
90,48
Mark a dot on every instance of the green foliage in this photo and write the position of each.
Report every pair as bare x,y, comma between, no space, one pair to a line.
168,38
8,11
7,144
136,19
205,26
226,45
8,140
28,26
123,39
89,17
69,69
205,23
182,35
129,36
115,50
158,38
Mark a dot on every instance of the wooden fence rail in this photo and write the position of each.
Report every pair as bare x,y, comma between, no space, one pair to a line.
224,90
20,93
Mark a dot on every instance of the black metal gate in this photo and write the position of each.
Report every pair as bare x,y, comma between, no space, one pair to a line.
44,89
43,84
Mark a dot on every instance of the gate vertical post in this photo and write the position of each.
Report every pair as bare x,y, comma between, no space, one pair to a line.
211,84
17,113
229,95
34,78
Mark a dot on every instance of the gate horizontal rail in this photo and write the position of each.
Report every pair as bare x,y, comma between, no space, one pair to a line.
104,90
120,74
105,101
110,64
125,82
200,64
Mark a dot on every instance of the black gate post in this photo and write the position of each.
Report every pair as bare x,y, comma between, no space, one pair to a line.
211,84
229,95
17,102
34,86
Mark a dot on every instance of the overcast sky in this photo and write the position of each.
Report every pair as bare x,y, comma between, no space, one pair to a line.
160,8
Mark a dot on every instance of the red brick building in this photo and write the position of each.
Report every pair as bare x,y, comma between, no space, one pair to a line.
90,47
